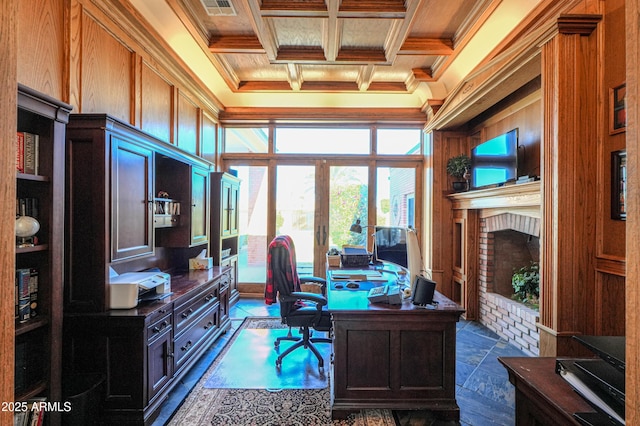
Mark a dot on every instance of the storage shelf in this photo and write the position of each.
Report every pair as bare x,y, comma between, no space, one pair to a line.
32,324
35,178
38,247
35,389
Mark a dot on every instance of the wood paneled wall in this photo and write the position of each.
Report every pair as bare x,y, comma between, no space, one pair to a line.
95,56
8,119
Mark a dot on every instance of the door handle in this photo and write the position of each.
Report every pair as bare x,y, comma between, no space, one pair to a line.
324,236
318,236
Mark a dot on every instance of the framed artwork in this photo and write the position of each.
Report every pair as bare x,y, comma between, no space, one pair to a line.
617,109
619,185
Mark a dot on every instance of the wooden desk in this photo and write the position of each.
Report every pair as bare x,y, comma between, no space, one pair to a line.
542,396
392,356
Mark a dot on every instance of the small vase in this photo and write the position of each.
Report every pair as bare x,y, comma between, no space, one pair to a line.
459,186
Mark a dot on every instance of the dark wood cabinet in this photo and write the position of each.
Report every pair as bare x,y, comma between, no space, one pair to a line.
38,335
127,195
225,191
144,352
131,197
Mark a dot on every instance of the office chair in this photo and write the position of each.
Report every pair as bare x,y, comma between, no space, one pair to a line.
303,310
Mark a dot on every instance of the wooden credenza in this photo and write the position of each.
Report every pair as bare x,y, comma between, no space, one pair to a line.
542,396
143,352
392,356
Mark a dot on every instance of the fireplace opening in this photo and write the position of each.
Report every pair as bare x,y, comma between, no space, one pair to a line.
512,250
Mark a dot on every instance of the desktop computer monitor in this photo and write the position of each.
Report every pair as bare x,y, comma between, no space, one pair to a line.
399,246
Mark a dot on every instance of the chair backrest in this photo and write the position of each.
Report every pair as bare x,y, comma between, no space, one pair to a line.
282,276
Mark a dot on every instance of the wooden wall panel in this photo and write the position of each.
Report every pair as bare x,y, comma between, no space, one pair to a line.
187,117
41,59
155,106
609,305
106,67
208,144
8,119
611,232
632,294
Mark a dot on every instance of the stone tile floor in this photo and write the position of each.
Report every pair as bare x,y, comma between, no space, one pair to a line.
483,391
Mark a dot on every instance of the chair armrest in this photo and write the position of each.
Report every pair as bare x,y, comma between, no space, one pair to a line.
309,279
321,282
318,299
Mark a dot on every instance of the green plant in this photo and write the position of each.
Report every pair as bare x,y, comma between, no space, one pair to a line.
526,282
458,165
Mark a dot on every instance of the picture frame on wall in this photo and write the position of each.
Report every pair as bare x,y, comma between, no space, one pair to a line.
617,109
619,185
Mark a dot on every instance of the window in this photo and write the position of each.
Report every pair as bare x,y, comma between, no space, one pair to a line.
399,141
289,140
239,140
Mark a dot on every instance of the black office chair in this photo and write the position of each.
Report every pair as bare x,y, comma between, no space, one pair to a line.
303,310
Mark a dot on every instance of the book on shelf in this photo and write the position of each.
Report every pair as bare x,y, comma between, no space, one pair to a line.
27,152
33,293
22,289
30,414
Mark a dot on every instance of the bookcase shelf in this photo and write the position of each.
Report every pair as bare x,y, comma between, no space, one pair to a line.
38,338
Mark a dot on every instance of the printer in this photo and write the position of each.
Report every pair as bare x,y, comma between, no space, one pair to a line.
125,290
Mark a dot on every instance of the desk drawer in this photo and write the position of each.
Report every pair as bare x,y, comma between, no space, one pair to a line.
188,342
159,327
188,312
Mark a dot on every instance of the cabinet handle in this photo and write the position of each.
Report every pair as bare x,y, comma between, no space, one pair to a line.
186,346
209,324
186,314
170,355
324,234
209,297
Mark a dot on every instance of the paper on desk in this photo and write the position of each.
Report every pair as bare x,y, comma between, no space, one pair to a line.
358,275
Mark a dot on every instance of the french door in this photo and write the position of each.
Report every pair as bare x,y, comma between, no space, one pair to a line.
316,204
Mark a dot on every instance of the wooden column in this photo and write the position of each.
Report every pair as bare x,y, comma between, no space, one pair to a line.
438,217
8,88
632,383
569,149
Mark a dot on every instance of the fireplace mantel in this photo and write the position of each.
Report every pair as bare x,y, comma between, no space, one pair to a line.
524,198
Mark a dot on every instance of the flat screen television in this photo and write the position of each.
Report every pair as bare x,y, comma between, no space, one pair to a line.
495,161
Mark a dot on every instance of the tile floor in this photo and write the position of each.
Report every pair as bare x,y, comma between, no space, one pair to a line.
483,392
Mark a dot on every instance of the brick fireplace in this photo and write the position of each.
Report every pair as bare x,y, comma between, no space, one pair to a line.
495,231
506,242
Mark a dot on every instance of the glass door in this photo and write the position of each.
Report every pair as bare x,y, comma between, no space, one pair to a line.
296,213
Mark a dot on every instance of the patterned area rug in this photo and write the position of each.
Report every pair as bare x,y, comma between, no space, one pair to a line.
245,407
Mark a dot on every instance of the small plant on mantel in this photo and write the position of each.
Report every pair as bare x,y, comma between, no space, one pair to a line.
457,167
526,284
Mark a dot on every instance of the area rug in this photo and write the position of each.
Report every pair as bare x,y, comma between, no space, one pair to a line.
250,361
262,407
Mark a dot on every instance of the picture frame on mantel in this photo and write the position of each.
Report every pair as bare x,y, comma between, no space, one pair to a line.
617,109
619,185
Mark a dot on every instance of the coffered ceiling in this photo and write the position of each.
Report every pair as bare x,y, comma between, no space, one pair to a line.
333,52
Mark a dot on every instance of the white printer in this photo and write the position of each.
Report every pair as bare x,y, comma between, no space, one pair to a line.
126,289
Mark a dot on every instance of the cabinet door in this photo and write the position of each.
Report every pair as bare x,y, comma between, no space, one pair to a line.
199,210
233,208
226,207
160,364
131,199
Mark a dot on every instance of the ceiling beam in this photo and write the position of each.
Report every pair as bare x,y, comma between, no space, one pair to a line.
294,75
300,54
236,44
423,74
376,56
426,46
365,77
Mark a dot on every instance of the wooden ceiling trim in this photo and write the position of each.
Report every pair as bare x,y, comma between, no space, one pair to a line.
426,46
423,74
360,115
262,86
330,86
379,9
387,86
293,8
236,44
376,56
300,54
365,77
294,76
331,32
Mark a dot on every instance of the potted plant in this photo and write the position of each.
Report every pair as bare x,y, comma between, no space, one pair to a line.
333,258
526,283
458,167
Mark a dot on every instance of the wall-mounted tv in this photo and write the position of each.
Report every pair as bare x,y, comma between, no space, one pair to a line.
495,161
